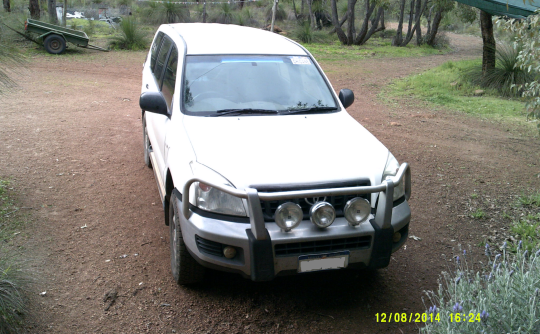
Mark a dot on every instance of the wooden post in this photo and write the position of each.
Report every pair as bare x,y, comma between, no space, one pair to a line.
204,13
64,14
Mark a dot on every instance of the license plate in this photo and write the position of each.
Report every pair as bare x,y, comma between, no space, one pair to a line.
307,263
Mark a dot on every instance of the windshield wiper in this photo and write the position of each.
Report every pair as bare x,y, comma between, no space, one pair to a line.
305,110
242,111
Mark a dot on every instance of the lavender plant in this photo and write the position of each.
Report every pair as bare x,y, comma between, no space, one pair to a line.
501,298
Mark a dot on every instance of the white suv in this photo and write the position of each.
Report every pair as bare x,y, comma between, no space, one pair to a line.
260,169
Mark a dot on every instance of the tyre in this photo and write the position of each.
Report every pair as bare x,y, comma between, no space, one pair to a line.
147,145
54,44
184,268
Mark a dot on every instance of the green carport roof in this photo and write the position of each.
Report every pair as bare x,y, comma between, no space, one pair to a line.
511,8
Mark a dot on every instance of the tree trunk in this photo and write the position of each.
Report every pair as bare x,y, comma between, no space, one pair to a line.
360,38
7,6
33,6
418,27
428,19
430,38
64,12
396,41
311,16
411,31
411,15
374,26
350,26
343,19
337,26
488,52
52,11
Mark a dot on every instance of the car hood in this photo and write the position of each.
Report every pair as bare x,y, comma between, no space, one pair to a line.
278,150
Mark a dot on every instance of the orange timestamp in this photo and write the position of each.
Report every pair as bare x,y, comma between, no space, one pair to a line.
408,317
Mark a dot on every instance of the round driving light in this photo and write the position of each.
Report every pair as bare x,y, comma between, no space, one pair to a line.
357,211
229,252
288,216
396,237
322,214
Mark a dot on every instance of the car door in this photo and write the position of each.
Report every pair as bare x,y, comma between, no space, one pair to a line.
157,124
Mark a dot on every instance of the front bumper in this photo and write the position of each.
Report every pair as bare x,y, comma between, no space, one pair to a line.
265,251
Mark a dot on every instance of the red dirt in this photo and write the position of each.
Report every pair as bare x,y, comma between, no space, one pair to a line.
72,146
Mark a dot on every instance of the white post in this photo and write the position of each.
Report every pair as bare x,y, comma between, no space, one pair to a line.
274,8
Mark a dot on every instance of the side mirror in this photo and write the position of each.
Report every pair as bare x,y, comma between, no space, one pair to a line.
346,96
153,102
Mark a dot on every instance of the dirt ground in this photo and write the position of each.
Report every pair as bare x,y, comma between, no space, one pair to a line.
71,143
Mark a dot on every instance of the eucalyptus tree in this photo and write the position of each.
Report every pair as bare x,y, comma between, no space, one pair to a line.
349,36
527,39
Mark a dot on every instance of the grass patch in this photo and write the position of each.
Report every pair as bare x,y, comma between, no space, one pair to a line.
12,302
374,48
530,200
443,86
478,214
527,229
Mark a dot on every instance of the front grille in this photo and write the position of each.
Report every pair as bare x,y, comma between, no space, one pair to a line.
209,247
310,247
338,202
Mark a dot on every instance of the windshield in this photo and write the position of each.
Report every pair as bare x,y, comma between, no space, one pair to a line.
258,83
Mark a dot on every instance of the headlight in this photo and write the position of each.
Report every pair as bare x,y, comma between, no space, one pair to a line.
322,214
211,199
357,210
391,169
288,216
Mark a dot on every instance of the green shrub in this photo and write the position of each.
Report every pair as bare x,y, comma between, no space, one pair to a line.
503,298
12,302
131,38
505,75
90,28
281,14
304,33
223,14
156,13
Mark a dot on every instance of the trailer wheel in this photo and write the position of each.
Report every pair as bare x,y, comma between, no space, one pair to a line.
54,44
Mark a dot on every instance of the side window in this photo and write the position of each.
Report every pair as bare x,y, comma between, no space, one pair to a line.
161,59
155,49
169,79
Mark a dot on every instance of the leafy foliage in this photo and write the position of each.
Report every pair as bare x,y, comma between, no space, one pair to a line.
506,75
132,38
527,36
502,298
